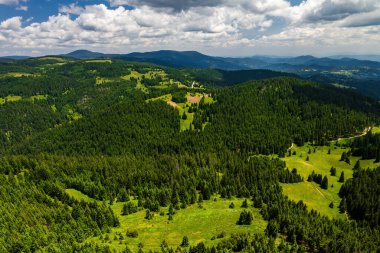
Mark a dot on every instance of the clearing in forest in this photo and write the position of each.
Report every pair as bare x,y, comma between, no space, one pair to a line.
199,223
320,162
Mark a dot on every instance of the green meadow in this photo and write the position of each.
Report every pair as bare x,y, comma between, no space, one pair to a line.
320,162
200,223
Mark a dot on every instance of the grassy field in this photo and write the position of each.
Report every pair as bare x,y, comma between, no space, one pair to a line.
37,98
199,224
320,162
165,98
102,80
99,61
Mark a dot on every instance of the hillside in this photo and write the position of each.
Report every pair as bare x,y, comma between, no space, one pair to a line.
103,155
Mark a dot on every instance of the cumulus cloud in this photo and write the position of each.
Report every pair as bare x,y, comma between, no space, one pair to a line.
72,8
12,2
195,24
13,24
257,6
331,10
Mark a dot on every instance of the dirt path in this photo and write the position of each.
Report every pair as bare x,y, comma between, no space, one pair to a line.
366,130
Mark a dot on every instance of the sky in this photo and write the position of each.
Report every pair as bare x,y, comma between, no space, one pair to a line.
213,27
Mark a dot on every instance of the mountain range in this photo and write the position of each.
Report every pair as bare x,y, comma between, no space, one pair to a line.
195,59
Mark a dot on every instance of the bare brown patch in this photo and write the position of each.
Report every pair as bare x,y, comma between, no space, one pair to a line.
194,99
173,104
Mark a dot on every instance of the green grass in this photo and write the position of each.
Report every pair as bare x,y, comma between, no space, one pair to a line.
165,98
99,61
320,162
102,80
16,74
13,98
199,224
136,75
2,101
209,100
375,130
37,98
79,195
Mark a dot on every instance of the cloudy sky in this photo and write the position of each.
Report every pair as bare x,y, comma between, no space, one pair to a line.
215,27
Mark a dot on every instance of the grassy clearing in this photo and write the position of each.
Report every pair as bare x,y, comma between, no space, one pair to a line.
52,58
38,98
320,162
17,74
79,195
99,61
137,76
102,80
165,98
375,130
12,98
199,224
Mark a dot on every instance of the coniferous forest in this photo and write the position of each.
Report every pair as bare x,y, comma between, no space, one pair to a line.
125,132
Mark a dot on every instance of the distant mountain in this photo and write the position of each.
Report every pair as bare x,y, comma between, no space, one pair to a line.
85,54
369,57
15,57
195,59
185,59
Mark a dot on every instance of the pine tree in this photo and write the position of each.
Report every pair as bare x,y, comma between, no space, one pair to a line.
341,178
325,183
245,204
185,241
343,157
333,171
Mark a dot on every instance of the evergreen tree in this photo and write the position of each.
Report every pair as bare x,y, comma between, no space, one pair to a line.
185,241
333,171
325,183
343,157
341,178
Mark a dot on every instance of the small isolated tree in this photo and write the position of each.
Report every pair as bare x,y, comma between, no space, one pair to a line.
184,116
307,159
148,215
232,205
331,205
245,204
329,152
333,171
347,160
325,183
343,157
185,241
341,178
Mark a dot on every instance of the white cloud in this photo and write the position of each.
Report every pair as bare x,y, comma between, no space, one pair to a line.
12,2
22,8
210,25
71,9
13,24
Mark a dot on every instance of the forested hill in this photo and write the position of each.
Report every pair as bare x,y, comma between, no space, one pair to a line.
89,146
260,117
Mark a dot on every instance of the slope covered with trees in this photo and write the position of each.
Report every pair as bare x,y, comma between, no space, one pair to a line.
111,130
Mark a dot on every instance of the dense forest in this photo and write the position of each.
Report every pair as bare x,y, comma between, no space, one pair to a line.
89,126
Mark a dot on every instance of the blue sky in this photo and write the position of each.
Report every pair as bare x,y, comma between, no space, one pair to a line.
216,27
